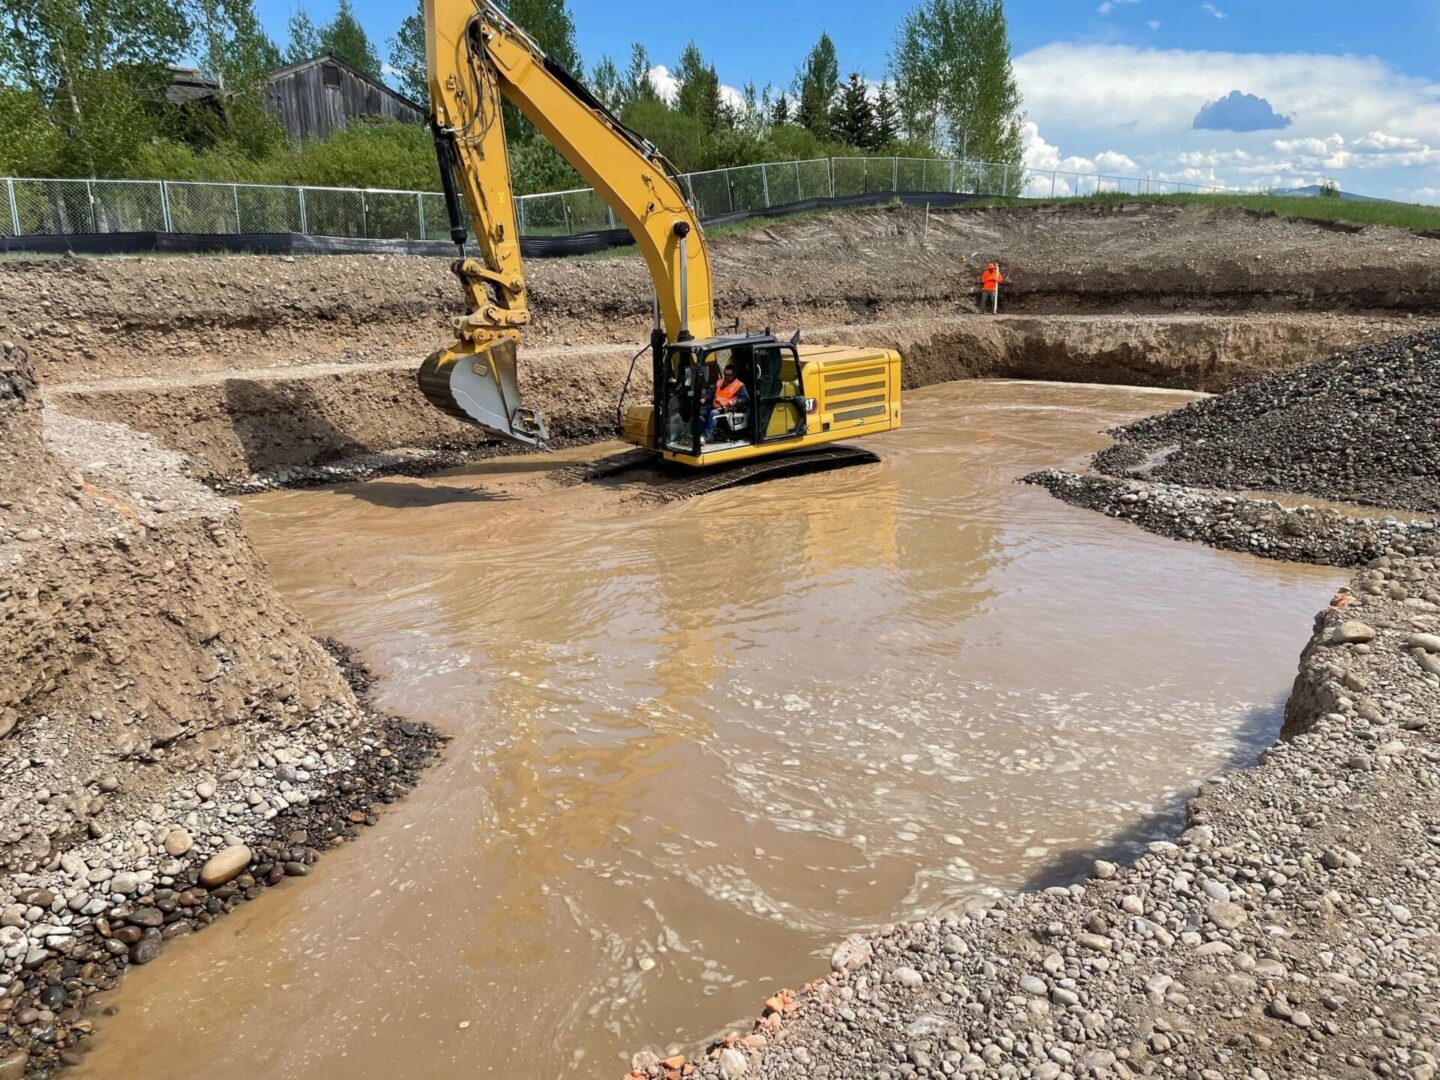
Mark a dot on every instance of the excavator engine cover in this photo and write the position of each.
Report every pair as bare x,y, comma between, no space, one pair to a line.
479,385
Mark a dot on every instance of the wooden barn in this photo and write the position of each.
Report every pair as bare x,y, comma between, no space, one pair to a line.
315,97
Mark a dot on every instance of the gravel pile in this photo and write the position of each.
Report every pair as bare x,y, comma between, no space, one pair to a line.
1263,528
1289,932
1361,427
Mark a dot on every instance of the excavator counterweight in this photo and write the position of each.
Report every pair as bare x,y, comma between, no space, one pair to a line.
791,397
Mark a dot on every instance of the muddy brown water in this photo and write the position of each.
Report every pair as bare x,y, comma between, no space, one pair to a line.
696,745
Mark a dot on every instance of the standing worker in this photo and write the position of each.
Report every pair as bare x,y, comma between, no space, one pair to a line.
990,282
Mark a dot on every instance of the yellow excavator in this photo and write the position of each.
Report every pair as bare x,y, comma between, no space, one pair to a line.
797,397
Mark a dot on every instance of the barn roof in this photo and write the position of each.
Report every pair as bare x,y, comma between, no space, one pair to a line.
327,58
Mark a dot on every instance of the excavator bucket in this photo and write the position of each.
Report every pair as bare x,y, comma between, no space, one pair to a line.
479,384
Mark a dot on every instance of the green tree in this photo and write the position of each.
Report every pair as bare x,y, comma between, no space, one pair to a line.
854,117
638,86
30,145
407,57
780,111
237,54
233,48
607,86
954,82
816,86
98,67
304,37
887,118
698,93
345,39
550,24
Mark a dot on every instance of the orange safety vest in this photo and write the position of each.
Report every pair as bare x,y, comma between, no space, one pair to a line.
990,280
727,392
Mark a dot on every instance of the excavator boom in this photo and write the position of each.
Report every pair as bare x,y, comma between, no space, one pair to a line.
477,56
796,397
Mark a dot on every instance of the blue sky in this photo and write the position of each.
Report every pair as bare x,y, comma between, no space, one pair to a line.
1297,90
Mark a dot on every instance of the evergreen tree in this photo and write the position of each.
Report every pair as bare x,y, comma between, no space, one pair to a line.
817,84
954,81
304,38
407,57
607,86
887,119
780,113
345,39
854,118
698,94
638,86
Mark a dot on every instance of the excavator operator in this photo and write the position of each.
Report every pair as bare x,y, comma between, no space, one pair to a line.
729,403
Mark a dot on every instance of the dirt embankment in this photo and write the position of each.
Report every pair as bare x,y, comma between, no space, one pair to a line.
88,319
159,705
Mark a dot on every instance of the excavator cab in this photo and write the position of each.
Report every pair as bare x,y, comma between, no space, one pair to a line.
686,374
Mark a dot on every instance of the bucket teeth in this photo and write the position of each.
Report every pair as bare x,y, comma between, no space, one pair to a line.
480,386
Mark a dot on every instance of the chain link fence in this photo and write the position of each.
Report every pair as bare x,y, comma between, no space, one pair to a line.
41,207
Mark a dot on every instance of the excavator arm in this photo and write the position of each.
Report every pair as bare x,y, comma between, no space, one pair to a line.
477,57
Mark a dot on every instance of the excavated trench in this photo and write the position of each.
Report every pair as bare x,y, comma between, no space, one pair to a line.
270,373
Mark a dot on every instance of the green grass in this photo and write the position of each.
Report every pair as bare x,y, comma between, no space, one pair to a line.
1397,215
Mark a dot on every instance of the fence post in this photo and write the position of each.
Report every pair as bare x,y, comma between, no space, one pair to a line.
420,213
730,190
235,195
14,208
565,206
165,222
94,215
364,215
1005,183
894,174
304,222
520,215
1053,174
765,183
610,216
832,177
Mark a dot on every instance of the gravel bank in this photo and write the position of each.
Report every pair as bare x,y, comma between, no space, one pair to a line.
1289,932
1264,528
71,927
1363,426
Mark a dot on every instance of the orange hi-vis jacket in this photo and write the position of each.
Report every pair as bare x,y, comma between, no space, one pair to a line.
727,392
990,280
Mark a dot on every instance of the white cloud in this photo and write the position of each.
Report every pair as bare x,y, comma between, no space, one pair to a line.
1110,5
1211,9
1426,195
1160,90
1042,157
1153,24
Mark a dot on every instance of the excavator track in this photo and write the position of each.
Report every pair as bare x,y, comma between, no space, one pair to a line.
827,458
640,469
